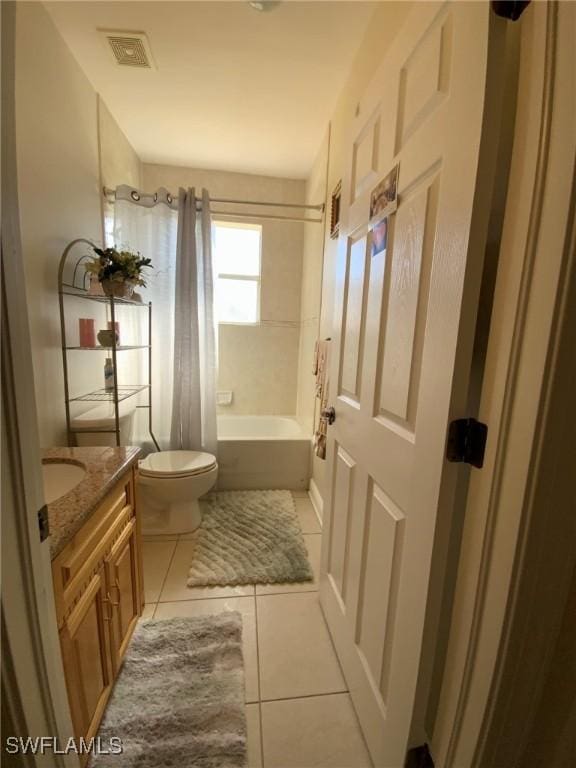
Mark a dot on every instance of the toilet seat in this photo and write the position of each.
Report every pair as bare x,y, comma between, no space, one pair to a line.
165,464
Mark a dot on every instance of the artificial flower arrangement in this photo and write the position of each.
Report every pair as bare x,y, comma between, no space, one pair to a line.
119,272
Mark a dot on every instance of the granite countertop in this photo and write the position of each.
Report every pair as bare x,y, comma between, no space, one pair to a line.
104,466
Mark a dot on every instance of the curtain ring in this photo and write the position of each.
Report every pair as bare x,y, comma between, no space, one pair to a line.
169,197
134,195
155,197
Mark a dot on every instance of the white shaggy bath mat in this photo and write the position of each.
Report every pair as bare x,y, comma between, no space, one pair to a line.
249,537
179,699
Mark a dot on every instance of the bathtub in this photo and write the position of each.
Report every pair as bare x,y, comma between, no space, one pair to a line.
262,452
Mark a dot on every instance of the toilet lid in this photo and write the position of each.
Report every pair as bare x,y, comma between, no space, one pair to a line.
177,463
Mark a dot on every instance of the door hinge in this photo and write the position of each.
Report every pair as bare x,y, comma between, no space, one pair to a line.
43,523
467,442
419,757
510,9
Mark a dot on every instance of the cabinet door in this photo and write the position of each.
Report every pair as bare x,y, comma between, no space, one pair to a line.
86,657
123,583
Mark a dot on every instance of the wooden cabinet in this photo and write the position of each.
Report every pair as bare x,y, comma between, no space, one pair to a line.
98,593
85,642
122,579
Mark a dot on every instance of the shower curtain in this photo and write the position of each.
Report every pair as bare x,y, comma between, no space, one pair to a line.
195,355
180,287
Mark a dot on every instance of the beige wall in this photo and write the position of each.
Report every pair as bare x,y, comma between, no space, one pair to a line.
119,162
59,198
259,363
311,292
311,299
57,154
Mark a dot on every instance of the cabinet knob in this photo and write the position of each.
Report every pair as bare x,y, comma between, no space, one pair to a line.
108,602
117,587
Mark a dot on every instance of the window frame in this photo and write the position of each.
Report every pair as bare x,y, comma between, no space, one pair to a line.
233,276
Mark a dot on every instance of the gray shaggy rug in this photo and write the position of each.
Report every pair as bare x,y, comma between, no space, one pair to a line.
179,699
248,537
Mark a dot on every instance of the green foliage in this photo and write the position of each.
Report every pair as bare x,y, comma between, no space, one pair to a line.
119,266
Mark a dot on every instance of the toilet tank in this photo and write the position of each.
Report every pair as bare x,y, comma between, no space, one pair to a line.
94,427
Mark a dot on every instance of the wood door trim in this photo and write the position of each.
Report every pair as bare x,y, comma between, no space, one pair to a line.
473,705
509,398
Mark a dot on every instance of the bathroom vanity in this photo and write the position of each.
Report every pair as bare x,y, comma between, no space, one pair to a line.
97,573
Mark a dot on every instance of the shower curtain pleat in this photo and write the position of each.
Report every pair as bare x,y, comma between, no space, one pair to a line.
208,332
195,353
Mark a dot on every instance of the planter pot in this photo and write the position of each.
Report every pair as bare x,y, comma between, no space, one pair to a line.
107,338
118,289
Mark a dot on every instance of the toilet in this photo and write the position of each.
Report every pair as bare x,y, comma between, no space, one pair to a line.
96,426
169,482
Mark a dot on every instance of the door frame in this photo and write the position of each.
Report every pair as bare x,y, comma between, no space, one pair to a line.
512,557
31,659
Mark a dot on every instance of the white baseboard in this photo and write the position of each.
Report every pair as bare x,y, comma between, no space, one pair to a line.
316,499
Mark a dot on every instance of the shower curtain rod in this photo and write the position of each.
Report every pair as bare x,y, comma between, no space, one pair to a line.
269,216
320,207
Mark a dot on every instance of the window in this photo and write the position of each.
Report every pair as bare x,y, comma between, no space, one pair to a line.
237,249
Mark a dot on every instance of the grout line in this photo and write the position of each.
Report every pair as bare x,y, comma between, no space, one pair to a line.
229,597
259,682
298,592
165,575
156,540
307,696
204,597
288,592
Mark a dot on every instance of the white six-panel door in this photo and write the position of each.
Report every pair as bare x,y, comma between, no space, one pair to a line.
404,322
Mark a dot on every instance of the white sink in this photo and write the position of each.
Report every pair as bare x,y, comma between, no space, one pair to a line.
59,478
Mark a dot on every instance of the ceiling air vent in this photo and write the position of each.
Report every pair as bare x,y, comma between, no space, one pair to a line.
130,49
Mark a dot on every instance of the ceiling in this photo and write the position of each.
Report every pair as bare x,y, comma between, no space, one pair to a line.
233,89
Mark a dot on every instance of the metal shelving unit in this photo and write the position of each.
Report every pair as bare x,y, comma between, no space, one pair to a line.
79,288
122,348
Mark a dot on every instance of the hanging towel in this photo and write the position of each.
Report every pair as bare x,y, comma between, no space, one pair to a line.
321,370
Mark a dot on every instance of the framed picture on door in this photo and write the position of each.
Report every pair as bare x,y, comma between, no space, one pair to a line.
379,237
383,200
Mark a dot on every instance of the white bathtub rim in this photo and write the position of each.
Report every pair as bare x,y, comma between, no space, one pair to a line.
296,435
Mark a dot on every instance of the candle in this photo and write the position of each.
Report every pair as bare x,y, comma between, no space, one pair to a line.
87,332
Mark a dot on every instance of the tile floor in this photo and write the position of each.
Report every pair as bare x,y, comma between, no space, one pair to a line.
298,710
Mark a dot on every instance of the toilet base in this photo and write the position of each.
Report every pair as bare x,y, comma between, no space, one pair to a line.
169,504
176,518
